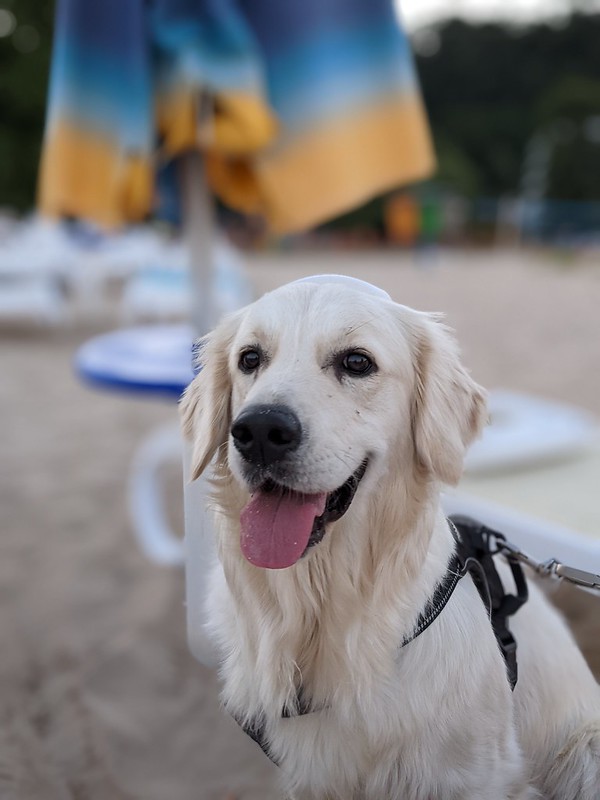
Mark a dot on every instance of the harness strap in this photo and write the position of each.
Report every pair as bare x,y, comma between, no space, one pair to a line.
437,602
474,555
474,547
256,731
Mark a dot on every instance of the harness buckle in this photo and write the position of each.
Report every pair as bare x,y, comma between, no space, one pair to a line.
507,641
508,648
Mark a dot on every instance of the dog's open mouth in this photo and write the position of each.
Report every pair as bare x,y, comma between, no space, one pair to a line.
279,525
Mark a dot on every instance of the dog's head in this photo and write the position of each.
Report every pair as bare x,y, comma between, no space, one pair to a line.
315,387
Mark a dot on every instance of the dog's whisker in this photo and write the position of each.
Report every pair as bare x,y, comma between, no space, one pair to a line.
346,461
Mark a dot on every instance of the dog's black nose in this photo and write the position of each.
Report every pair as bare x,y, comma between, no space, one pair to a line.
265,434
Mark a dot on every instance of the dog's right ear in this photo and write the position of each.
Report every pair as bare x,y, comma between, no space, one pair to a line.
205,407
450,408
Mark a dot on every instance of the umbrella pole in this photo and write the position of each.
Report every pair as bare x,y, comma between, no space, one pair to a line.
199,232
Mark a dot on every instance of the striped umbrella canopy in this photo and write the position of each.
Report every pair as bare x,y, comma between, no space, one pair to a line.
302,108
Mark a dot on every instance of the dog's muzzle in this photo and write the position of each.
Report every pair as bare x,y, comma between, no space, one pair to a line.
280,523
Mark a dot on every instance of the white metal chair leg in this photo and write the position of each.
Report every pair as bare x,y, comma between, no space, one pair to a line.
200,558
157,539
146,496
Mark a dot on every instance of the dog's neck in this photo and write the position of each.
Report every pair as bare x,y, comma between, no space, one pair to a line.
342,610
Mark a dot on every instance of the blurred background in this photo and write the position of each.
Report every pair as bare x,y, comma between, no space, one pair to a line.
513,95
99,694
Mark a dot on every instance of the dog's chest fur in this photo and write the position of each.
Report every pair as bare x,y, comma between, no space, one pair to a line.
381,719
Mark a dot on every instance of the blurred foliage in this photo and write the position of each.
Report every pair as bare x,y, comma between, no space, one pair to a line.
24,61
569,113
488,89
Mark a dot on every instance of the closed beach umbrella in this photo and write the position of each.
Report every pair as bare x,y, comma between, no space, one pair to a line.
294,109
301,109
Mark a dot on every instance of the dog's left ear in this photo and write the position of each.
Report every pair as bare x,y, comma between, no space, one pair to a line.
450,408
205,408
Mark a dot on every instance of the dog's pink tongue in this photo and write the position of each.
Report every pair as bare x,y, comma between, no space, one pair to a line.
276,527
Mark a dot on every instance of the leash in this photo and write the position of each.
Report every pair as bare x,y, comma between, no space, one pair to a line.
552,568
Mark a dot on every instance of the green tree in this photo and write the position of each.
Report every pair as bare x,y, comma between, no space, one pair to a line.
487,89
568,114
24,58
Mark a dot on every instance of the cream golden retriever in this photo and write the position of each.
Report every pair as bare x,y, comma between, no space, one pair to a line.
332,417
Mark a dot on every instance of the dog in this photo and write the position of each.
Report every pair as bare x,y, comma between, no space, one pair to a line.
331,418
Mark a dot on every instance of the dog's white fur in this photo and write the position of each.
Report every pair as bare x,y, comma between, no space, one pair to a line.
435,719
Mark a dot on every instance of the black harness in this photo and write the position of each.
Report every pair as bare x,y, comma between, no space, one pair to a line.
476,545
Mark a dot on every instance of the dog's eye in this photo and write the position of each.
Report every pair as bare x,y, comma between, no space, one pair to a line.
249,360
357,364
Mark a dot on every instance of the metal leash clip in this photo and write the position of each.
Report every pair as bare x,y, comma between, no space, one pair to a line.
547,569
577,576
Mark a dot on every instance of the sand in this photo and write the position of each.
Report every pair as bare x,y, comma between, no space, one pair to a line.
99,697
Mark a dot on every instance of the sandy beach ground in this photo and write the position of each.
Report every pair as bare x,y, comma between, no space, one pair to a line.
99,697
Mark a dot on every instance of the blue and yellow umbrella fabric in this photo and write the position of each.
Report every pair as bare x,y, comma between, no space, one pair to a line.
302,108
